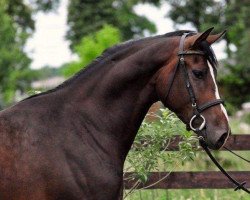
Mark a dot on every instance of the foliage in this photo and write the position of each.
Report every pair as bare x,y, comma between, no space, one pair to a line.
92,46
236,80
194,11
21,11
21,14
13,61
148,150
86,17
17,25
44,5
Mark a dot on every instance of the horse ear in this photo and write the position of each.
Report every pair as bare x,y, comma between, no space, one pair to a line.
197,39
213,38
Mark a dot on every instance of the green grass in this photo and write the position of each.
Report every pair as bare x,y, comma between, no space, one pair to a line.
189,194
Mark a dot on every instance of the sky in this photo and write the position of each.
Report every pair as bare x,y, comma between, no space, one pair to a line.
48,46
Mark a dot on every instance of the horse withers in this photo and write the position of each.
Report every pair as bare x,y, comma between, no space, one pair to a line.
70,143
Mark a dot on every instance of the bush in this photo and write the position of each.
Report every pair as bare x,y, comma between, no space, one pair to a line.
148,151
92,46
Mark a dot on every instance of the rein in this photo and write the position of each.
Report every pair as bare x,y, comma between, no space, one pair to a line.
239,186
236,154
197,110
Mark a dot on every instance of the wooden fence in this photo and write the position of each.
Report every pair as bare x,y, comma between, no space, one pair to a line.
195,180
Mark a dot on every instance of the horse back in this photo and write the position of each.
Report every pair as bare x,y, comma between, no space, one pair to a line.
43,156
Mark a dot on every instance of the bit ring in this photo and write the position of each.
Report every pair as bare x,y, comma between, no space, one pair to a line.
202,124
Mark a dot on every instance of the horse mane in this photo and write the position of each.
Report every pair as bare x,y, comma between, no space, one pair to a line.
119,47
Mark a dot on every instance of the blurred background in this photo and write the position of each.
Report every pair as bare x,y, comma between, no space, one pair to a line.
43,42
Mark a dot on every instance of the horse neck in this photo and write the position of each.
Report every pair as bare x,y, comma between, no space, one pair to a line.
117,97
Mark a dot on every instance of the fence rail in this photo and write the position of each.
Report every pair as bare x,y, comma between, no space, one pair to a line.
195,180
235,142
191,180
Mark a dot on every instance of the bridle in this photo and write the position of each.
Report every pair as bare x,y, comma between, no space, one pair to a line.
197,110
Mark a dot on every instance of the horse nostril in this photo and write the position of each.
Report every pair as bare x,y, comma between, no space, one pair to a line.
221,140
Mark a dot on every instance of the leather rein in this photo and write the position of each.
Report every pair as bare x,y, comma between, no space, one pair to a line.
197,110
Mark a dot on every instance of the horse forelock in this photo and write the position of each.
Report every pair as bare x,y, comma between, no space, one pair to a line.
210,55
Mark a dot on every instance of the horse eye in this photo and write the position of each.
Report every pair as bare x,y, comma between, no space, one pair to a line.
198,74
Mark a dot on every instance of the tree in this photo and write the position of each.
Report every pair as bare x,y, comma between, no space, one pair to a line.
22,11
17,24
194,11
13,61
44,5
86,17
92,46
237,79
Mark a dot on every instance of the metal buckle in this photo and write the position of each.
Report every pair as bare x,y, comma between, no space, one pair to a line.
202,124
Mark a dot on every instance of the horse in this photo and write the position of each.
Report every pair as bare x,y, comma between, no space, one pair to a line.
70,143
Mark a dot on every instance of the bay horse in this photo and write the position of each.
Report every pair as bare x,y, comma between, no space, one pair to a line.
70,143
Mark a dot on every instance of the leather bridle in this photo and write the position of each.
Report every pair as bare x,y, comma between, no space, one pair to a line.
197,110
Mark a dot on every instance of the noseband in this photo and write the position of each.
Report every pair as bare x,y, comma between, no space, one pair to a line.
197,110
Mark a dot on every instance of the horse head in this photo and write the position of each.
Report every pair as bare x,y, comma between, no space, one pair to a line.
187,85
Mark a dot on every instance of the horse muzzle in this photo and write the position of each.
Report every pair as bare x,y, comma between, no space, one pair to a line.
214,140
